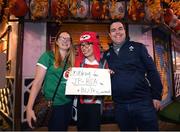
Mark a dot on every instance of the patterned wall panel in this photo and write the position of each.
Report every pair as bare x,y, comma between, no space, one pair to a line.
27,83
7,98
177,83
34,46
161,42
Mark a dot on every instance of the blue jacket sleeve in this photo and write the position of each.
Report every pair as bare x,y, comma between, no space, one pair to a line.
152,74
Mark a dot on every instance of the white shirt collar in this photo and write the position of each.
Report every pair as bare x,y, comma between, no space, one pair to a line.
95,62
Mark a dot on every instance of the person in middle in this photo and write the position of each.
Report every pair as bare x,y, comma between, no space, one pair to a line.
89,107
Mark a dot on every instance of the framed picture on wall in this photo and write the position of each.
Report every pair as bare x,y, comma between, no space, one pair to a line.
161,42
175,53
176,64
136,34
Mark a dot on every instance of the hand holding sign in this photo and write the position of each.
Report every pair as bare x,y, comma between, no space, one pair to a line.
88,81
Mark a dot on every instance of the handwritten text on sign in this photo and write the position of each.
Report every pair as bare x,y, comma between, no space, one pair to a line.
88,81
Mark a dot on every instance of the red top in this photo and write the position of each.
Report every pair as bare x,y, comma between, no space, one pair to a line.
91,99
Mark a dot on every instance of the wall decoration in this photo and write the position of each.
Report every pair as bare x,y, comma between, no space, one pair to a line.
172,20
27,84
153,11
162,57
117,9
59,9
174,5
176,64
162,65
96,9
34,39
99,9
7,99
105,9
4,20
18,8
39,9
136,10
177,83
1,7
136,34
79,8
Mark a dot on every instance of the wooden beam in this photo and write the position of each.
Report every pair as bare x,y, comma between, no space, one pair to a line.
18,79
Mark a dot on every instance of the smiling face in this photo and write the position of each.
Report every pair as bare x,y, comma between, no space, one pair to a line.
64,41
89,46
117,32
87,49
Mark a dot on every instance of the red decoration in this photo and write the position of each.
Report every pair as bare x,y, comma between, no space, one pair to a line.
18,8
172,20
96,9
59,8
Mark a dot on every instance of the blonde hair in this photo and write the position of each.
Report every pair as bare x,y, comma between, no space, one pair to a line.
70,53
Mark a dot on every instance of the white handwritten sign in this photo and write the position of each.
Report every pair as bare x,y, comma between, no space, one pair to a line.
88,81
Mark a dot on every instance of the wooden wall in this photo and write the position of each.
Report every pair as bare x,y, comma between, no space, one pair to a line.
77,29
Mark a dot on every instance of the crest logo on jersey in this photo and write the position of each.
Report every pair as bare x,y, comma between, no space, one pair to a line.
131,48
66,74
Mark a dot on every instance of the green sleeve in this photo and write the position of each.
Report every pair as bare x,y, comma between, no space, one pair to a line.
44,60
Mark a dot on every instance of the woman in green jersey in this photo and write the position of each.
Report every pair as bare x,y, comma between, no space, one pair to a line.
48,71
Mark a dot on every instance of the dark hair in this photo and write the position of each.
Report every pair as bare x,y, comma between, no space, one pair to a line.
114,21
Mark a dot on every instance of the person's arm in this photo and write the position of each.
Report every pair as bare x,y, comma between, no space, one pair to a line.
105,63
153,77
36,86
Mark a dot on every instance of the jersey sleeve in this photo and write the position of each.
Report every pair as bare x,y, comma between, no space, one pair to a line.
152,74
44,60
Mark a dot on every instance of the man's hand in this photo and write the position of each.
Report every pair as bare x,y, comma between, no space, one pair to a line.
111,71
157,104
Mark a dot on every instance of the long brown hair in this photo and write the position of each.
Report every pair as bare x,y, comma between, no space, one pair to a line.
70,54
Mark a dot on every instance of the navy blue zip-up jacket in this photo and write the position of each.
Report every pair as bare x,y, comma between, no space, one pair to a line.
136,77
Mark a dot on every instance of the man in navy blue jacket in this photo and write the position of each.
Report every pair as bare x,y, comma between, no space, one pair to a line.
136,84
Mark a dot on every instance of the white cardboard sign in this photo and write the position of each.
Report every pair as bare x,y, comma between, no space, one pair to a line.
88,81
